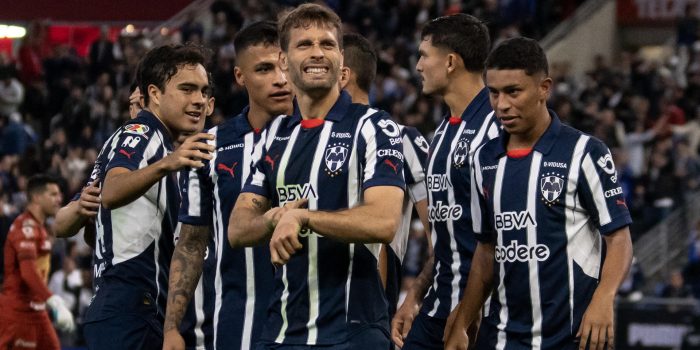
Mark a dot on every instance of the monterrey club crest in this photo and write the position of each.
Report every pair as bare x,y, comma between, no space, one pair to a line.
335,157
551,186
461,153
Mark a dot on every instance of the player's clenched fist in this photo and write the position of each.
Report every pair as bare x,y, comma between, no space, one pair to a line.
285,238
191,153
273,216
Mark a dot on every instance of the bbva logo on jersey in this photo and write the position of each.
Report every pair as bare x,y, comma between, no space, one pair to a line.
290,193
335,157
551,186
514,220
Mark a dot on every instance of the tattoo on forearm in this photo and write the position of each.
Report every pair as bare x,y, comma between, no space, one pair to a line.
257,203
185,270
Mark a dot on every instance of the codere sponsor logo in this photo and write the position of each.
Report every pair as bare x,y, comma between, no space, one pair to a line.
442,212
521,252
514,220
291,193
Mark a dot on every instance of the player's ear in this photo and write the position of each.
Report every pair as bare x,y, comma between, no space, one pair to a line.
284,65
453,61
238,74
344,77
545,87
154,95
210,108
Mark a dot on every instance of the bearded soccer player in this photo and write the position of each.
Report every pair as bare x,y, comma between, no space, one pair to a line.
342,159
140,198
452,54
545,197
359,72
24,322
235,284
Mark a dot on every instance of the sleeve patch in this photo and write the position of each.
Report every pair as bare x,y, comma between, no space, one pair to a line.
137,129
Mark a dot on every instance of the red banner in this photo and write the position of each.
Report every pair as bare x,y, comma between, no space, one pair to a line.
652,12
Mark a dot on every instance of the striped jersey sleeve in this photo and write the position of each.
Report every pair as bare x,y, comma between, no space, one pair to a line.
196,190
381,152
481,224
131,146
415,151
601,193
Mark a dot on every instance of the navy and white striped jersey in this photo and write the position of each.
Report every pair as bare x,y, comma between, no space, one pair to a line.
415,154
236,283
545,213
448,178
328,287
134,243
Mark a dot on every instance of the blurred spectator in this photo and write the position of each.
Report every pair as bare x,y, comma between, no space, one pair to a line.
676,287
101,56
11,93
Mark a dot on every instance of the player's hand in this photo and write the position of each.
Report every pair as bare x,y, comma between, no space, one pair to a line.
273,216
191,153
89,202
62,316
597,326
456,337
403,320
285,239
172,340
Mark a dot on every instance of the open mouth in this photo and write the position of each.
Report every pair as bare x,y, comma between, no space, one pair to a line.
194,115
506,120
316,70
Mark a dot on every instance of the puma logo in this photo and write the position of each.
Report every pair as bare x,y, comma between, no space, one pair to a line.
222,166
127,154
392,165
621,202
271,160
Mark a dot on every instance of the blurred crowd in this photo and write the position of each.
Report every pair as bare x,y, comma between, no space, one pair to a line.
57,108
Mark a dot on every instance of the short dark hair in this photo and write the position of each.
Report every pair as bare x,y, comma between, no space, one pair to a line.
306,15
162,63
261,32
37,184
519,53
359,56
464,34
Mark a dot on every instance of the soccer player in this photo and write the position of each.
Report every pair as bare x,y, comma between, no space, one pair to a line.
344,160
140,199
543,194
24,323
241,278
359,72
452,54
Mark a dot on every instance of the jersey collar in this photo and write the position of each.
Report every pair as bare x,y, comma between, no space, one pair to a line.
546,141
336,113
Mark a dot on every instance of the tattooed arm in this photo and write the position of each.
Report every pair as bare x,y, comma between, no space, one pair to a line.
185,270
248,225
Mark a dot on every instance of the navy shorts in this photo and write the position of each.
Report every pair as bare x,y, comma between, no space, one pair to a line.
123,332
365,338
426,333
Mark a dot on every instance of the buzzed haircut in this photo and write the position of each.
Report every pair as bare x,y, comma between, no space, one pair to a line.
37,184
465,35
258,33
519,53
305,16
159,65
359,56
